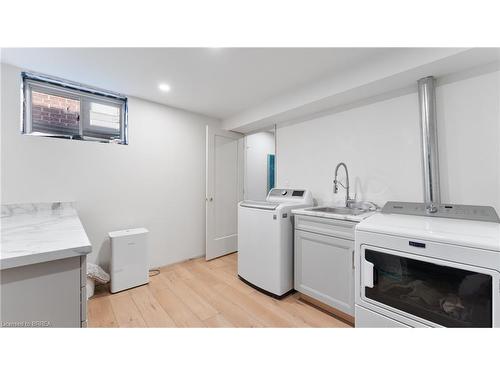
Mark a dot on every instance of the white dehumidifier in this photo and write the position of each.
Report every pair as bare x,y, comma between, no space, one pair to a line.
129,259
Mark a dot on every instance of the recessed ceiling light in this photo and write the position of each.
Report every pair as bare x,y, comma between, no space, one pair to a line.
164,87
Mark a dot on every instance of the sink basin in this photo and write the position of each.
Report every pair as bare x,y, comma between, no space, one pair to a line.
339,210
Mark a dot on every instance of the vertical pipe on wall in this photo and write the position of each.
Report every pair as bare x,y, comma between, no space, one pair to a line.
428,131
275,127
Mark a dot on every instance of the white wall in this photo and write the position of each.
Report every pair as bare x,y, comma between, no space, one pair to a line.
157,181
257,147
380,144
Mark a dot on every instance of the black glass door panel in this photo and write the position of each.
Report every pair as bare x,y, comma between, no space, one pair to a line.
448,296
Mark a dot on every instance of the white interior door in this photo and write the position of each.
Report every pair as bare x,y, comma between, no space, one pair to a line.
223,191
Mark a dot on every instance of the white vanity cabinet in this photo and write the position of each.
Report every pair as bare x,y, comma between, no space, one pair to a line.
324,267
47,294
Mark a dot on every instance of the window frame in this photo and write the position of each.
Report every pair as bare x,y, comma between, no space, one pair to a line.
75,91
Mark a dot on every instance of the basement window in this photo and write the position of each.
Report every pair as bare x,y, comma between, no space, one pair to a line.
56,108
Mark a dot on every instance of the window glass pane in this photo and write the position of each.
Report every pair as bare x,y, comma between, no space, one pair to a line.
451,297
70,110
104,116
54,114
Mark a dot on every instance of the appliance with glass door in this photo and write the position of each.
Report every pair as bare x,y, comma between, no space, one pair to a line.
265,240
417,271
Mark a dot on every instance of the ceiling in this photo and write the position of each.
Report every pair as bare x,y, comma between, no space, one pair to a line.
217,82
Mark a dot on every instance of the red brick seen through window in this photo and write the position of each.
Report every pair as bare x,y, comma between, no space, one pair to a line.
54,111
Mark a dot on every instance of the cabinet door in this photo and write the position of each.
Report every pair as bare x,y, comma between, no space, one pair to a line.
42,295
324,269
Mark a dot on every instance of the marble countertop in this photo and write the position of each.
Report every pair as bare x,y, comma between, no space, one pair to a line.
40,232
329,215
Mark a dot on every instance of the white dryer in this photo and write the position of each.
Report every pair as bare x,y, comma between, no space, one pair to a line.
419,271
265,240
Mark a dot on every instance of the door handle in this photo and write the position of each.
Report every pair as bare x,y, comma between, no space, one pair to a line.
367,274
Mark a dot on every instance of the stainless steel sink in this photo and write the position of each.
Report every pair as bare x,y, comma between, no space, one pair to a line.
339,210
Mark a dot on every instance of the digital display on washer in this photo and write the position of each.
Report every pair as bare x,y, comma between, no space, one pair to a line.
298,193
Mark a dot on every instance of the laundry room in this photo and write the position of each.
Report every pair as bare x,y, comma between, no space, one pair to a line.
202,188
255,203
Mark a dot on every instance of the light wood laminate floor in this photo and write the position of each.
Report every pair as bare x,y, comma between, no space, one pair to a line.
197,293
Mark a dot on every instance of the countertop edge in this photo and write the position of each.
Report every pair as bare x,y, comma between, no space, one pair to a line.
323,215
30,259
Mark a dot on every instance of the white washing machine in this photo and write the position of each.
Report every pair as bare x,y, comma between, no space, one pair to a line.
417,271
265,240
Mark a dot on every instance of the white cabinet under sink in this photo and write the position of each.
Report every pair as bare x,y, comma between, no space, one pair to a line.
324,268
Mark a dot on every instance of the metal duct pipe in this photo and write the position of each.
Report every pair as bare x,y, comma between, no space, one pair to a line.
428,128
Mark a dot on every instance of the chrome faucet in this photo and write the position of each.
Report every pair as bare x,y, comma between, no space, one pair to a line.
336,184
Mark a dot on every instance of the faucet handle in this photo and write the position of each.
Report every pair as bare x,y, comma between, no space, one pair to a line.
350,201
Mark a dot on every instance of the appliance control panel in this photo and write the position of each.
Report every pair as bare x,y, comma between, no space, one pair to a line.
301,196
450,211
286,193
